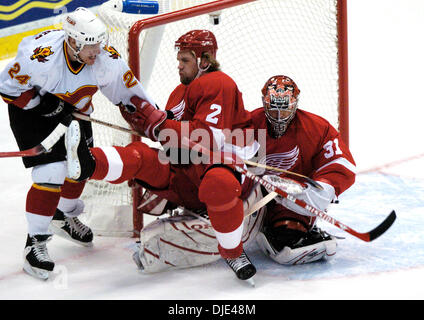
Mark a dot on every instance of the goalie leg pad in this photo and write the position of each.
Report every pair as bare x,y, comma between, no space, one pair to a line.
290,238
253,223
278,213
300,255
177,242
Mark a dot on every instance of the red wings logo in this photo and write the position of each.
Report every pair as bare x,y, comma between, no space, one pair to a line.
41,54
113,53
282,160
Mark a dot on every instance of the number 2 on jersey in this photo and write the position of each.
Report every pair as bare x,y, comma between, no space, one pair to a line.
213,116
129,79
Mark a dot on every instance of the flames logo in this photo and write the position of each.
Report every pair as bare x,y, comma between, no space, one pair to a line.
41,54
113,53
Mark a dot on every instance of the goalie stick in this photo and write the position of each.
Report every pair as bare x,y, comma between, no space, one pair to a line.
44,146
366,236
263,166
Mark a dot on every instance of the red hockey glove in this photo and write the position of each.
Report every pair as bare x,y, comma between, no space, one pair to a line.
143,117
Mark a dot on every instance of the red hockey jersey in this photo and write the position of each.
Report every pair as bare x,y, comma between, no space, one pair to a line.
211,102
311,146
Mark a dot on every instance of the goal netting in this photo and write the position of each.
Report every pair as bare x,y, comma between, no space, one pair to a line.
302,39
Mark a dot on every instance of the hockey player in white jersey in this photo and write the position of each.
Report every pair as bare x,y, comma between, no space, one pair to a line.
55,73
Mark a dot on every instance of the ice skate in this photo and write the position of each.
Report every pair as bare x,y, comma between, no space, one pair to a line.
71,228
243,268
37,262
80,162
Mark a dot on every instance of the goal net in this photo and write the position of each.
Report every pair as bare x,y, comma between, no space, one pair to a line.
303,39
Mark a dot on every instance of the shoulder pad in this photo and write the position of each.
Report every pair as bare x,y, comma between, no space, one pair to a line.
41,47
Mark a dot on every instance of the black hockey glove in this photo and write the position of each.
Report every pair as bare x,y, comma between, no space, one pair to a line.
53,107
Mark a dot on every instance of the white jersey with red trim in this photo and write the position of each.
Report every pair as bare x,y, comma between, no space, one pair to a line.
42,65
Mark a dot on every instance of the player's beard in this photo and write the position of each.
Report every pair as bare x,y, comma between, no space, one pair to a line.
186,80
187,77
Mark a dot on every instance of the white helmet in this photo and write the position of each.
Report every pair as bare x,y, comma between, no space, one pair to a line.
83,26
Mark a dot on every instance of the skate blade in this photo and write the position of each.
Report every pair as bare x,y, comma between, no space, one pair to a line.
36,272
250,281
73,140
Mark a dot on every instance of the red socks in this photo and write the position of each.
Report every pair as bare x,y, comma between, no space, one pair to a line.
220,191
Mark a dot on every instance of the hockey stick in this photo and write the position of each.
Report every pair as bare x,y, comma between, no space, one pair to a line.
366,236
103,123
258,205
44,146
260,165
261,203
250,163
37,150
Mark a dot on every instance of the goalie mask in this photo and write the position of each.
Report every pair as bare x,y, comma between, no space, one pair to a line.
83,26
280,96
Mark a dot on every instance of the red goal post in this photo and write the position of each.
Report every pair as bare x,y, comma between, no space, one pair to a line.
304,39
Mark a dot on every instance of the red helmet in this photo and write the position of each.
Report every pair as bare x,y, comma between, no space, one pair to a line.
198,41
280,96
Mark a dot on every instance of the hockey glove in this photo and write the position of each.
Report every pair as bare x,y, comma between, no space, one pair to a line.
316,198
53,107
143,117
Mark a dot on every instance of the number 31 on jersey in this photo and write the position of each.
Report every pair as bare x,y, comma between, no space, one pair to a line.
332,148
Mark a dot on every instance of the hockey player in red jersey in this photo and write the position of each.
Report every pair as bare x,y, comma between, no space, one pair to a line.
206,104
54,74
304,143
